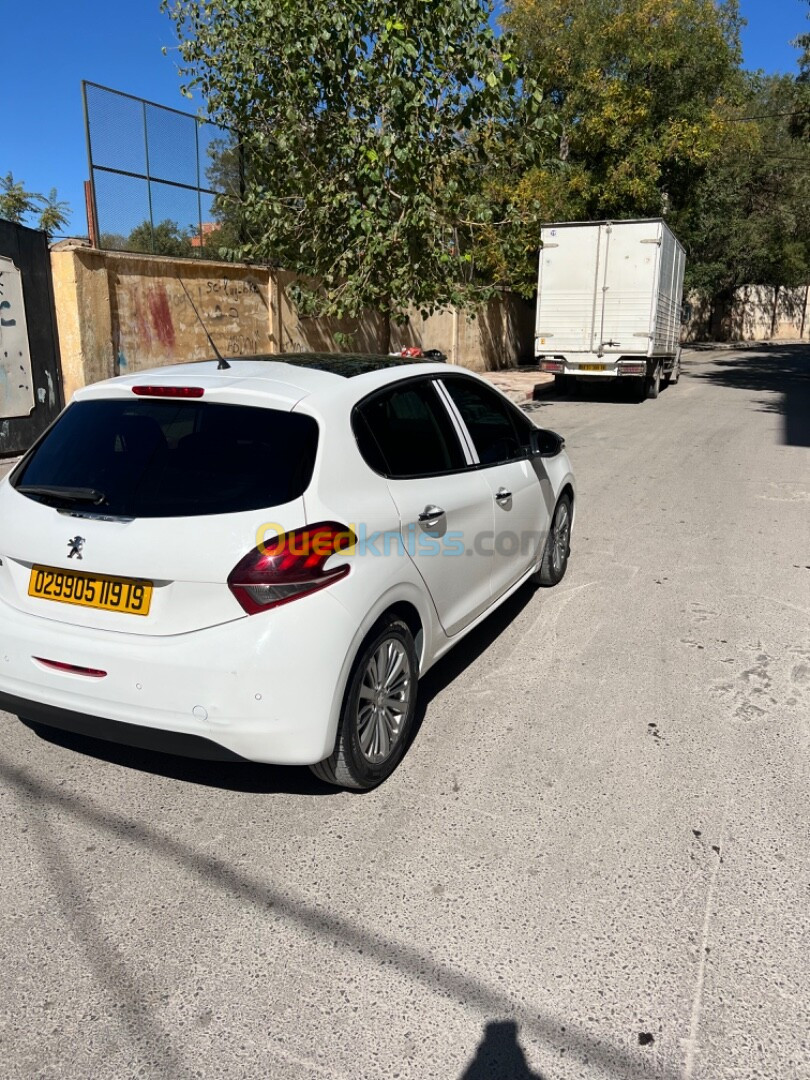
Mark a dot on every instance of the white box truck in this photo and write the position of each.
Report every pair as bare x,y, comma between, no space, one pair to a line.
609,303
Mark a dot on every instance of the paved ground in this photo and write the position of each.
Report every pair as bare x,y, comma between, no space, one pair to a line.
593,863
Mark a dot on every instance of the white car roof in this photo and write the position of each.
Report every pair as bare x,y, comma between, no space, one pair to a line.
281,381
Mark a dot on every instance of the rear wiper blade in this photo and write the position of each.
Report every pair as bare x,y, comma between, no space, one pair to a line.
66,494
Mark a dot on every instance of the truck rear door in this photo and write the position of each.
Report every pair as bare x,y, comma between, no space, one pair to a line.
629,255
569,289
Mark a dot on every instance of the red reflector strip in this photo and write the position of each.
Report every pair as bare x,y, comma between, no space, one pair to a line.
72,669
168,391
551,365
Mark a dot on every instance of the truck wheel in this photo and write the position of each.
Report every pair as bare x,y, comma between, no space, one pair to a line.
651,385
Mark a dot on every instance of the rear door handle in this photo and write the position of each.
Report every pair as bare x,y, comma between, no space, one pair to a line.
502,495
430,515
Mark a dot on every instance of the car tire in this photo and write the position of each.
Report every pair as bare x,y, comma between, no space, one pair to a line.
386,661
558,546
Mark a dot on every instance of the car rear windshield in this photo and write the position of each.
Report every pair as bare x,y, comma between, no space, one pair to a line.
170,458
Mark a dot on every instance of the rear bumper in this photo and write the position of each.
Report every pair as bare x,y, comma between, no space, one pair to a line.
594,367
97,727
265,688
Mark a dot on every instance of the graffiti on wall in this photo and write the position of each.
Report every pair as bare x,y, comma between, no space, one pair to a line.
154,322
16,384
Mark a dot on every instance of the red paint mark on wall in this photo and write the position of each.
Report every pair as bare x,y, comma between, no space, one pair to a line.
161,316
141,321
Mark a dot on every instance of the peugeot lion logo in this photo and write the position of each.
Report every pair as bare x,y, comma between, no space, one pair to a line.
76,545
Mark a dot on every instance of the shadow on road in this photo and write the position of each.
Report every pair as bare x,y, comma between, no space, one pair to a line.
621,391
254,778
46,803
783,370
448,669
245,776
500,1056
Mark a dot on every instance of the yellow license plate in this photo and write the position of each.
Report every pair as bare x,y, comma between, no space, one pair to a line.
591,367
128,595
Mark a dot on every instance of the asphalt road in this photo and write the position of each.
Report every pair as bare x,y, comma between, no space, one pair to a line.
593,863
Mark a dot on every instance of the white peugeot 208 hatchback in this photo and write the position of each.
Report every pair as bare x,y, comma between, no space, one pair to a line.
260,562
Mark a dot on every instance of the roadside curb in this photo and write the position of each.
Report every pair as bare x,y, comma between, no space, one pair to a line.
741,346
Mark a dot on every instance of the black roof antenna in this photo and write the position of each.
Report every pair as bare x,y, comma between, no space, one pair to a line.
223,363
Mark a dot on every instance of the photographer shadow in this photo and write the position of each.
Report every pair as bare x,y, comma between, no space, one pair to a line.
500,1056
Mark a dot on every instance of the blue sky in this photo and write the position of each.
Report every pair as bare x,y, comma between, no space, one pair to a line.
51,45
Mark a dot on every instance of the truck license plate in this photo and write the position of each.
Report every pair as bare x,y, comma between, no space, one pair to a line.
591,367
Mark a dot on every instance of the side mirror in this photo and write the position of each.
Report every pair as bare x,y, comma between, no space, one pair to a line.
546,443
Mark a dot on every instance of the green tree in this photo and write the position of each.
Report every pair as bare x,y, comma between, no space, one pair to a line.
54,214
111,241
747,222
803,43
224,174
15,202
641,89
800,122
165,238
369,129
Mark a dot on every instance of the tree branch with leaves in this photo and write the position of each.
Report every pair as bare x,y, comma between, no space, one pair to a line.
368,132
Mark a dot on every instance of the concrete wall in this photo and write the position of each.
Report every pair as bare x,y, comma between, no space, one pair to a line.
118,313
752,313
83,317
153,320
760,312
497,336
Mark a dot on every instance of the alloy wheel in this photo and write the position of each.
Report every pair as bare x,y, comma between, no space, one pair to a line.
560,537
382,706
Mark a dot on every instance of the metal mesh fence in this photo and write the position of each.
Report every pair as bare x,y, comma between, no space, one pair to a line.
162,181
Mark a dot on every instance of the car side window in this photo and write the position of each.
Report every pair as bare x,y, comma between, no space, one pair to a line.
406,431
498,432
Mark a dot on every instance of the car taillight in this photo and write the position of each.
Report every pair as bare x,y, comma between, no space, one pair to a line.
168,391
290,566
